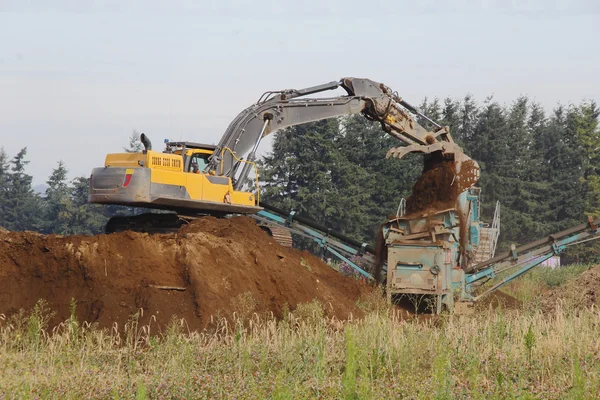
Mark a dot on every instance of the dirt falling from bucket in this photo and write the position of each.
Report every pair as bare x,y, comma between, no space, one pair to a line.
435,190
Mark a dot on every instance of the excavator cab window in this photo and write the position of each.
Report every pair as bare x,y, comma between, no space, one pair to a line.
198,162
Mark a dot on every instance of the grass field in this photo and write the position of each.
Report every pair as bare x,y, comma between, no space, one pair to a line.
493,354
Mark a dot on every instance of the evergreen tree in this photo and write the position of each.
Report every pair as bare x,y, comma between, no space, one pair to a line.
559,169
386,181
299,174
135,145
451,118
4,176
432,110
469,115
22,207
486,143
57,202
581,197
585,119
88,219
339,177
524,207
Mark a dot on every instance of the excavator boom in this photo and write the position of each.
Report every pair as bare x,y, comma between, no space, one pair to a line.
377,102
191,178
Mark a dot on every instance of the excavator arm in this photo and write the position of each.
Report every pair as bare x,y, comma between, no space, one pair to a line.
377,102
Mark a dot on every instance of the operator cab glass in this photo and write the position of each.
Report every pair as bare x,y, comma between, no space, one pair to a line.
198,162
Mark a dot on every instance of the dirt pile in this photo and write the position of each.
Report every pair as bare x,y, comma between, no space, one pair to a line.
499,299
582,292
435,188
194,274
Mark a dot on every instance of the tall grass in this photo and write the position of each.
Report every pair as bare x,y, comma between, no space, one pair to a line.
495,354
536,282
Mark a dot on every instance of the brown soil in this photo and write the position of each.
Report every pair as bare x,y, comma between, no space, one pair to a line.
112,276
500,299
582,292
435,188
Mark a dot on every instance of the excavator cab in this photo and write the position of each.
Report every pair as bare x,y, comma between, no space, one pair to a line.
198,161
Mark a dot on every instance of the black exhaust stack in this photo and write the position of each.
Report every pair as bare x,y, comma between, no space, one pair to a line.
146,142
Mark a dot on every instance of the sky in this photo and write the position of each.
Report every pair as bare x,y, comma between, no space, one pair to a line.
77,77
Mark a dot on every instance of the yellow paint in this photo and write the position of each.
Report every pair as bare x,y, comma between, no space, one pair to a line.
168,169
168,177
164,161
189,152
124,160
245,198
200,188
194,185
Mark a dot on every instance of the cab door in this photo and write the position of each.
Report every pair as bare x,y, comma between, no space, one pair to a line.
195,164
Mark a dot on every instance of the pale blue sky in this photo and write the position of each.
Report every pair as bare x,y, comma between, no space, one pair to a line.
76,77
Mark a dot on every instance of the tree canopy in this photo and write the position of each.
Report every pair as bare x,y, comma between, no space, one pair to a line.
542,166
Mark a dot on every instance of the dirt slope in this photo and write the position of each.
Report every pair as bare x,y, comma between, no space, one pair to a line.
582,292
215,260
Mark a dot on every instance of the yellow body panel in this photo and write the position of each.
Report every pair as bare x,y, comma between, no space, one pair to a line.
169,178
129,160
245,198
152,159
168,169
164,162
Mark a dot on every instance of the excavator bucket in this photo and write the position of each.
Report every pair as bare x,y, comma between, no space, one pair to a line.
466,170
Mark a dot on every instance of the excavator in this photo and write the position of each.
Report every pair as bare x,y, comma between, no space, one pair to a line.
443,254
192,179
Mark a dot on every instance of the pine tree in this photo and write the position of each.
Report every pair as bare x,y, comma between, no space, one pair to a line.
297,173
354,187
57,203
135,145
487,145
469,115
88,219
588,133
22,206
451,118
4,179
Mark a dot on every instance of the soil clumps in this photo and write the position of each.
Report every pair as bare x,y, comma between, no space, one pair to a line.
580,293
196,274
499,299
435,189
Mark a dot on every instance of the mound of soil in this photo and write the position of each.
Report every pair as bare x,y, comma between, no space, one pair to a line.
582,292
500,299
196,273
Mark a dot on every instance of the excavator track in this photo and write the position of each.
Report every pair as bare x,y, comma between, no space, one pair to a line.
148,223
171,222
281,235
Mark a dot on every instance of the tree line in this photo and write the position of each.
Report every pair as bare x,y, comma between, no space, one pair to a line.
542,167
62,209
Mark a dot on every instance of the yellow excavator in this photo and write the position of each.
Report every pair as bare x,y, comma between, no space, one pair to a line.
194,179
